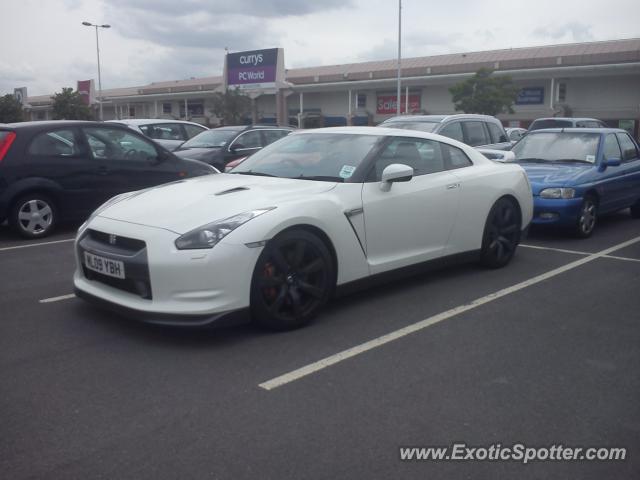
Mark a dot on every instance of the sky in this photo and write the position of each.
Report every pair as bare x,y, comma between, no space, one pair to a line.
45,46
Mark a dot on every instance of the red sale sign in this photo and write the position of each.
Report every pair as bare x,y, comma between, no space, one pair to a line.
387,104
86,91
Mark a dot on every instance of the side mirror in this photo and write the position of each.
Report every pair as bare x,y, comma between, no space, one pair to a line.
396,172
509,156
609,162
613,162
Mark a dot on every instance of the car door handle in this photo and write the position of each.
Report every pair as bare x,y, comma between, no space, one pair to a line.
451,186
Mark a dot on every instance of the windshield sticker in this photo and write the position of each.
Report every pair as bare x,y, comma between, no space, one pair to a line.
347,171
591,158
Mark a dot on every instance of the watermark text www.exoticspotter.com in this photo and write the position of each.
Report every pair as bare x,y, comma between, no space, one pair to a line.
518,452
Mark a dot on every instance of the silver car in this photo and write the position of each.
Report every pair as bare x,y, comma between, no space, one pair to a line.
168,133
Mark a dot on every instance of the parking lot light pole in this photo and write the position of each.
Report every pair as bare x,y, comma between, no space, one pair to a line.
88,24
398,101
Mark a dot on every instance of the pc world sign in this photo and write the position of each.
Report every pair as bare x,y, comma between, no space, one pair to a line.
256,69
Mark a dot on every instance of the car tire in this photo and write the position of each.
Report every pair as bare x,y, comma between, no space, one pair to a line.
587,217
635,210
293,278
501,234
34,215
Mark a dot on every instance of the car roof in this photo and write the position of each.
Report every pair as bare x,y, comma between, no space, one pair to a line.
47,124
440,118
569,119
151,121
601,130
251,127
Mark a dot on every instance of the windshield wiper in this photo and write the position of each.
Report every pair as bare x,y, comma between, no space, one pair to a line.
250,172
572,160
325,178
531,160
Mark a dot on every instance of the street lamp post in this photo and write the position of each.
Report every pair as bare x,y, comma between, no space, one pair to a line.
399,56
88,24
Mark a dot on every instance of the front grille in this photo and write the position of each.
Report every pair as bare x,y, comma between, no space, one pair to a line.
131,245
132,252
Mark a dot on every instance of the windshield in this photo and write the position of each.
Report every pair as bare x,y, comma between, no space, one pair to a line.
422,126
317,156
557,146
211,139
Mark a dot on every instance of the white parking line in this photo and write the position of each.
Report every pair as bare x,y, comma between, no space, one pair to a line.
16,247
576,252
427,322
57,299
561,250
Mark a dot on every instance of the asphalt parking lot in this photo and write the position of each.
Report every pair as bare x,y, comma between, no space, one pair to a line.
543,352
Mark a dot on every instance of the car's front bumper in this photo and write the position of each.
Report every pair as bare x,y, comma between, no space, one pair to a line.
555,211
164,285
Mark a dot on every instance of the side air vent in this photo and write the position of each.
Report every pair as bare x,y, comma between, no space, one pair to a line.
232,190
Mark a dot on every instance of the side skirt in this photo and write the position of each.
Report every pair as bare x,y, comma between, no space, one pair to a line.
405,272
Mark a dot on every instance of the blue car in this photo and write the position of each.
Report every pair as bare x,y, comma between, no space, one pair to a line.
578,174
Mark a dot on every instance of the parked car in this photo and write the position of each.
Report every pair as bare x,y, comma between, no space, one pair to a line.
168,133
578,174
474,130
62,170
317,210
566,122
219,146
515,133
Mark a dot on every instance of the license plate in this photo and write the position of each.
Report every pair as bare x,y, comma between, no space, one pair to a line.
105,266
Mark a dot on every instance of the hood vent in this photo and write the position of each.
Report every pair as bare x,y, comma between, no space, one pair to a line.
232,190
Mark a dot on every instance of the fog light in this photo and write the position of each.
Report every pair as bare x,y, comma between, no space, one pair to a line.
548,215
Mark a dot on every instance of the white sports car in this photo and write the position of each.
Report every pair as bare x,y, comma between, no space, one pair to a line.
314,211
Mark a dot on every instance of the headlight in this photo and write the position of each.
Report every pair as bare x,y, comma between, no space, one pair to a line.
558,193
207,236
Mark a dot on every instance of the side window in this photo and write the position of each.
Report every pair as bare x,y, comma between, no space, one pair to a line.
611,147
456,158
192,130
629,149
515,135
475,134
164,131
271,136
57,143
453,130
424,156
497,133
116,144
248,140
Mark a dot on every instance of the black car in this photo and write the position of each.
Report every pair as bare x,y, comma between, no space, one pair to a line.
219,146
482,131
63,170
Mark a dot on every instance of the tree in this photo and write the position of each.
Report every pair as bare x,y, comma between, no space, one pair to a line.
484,93
231,106
68,105
10,109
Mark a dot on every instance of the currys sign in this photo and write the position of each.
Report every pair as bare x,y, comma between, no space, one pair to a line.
254,69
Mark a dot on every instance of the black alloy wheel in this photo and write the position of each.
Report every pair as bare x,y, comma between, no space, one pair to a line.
501,234
293,278
587,217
